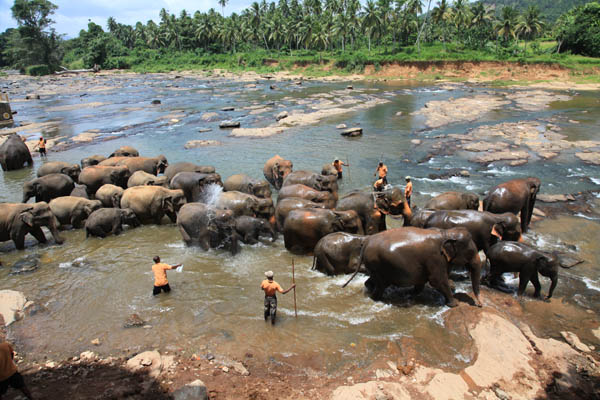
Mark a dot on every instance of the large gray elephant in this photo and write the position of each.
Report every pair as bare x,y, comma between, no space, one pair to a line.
60,167
70,210
329,170
247,204
110,195
106,221
454,201
141,178
14,154
174,169
48,187
307,193
373,207
303,228
151,203
194,184
276,169
322,183
151,165
208,227
80,191
92,160
97,175
527,261
338,253
250,229
246,184
515,196
413,257
419,217
125,151
284,206
18,219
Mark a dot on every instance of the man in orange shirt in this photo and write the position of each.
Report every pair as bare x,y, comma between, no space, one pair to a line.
160,276
271,287
9,375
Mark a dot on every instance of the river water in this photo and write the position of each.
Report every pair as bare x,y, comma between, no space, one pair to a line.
90,286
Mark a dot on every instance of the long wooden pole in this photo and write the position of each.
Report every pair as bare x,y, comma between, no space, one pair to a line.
348,162
293,282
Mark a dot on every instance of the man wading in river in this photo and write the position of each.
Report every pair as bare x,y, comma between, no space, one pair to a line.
160,276
271,287
337,164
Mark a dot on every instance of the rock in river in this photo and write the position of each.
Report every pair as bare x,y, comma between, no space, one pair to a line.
227,109
281,115
133,321
192,144
11,305
192,391
229,124
352,132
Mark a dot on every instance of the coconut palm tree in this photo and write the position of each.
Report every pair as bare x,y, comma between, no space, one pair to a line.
441,15
223,3
530,25
371,21
506,26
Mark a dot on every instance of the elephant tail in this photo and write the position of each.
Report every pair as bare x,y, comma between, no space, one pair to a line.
360,258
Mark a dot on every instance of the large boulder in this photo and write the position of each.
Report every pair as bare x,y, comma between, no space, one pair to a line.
11,305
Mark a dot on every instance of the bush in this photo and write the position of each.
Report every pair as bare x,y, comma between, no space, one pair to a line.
38,70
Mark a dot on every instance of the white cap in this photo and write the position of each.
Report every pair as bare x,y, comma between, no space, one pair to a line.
407,177
269,274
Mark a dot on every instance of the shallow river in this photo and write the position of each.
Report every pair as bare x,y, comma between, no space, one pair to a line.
90,286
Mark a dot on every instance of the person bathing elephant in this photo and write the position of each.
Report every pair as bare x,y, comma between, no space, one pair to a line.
338,253
284,206
110,195
208,227
151,203
73,211
303,228
194,183
527,261
454,201
307,193
276,169
250,229
14,153
515,196
414,256
174,169
60,167
97,175
106,221
243,183
48,187
18,219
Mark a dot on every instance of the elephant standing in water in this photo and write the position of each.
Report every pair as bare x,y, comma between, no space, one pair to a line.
59,167
106,221
246,204
208,227
338,253
92,160
70,210
48,187
243,183
414,256
276,169
174,169
110,195
454,201
17,220
527,261
97,175
284,206
250,229
517,195
322,183
152,203
125,151
194,183
14,154
141,178
151,165
307,193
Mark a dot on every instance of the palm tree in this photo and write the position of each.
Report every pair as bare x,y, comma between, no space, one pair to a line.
223,3
440,16
530,25
461,16
506,26
371,22
423,27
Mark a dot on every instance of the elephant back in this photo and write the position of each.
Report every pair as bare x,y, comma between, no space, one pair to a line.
174,169
110,195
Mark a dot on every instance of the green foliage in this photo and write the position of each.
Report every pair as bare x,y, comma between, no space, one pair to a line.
552,9
38,70
578,31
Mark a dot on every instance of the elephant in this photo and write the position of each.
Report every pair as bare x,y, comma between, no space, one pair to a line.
174,169
125,151
141,178
80,191
250,229
410,256
97,175
92,160
419,217
151,165
303,228
485,227
276,169
329,170
110,195
247,204
307,193
48,187
70,210
106,221
14,153
243,183
454,201
527,261
517,195
284,206
338,253
151,203
194,183
322,183
208,227
18,219
373,207
60,167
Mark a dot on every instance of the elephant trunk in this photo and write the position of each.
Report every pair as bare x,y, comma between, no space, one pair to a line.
54,231
552,285
235,243
475,268
273,234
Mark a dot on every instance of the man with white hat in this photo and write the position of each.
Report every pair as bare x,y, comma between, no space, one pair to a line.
271,288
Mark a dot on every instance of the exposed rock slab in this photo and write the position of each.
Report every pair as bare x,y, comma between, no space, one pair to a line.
590,158
257,132
192,144
440,113
11,305
229,124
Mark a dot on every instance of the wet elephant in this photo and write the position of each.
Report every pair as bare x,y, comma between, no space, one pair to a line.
107,221
329,170
373,207
322,183
70,210
246,184
92,160
303,228
411,256
150,165
125,151
247,204
208,227
454,201
515,196
338,253
141,178
276,169
18,219
174,169
284,206
307,193
193,184
60,167
419,217
527,261
250,229
48,187
14,153
152,203
80,191
97,175
485,227
110,195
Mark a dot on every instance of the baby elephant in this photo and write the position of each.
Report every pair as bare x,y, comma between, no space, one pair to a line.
250,229
105,221
71,210
518,257
338,253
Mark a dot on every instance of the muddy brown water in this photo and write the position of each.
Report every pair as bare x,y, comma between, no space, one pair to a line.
88,287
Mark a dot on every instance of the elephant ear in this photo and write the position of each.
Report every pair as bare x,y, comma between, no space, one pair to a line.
449,249
27,216
167,204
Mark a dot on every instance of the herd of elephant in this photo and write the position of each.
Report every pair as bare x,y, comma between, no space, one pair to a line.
345,235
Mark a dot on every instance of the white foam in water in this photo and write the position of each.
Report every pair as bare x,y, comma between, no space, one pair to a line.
595,180
179,245
591,284
465,359
437,316
501,171
69,264
586,217
211,194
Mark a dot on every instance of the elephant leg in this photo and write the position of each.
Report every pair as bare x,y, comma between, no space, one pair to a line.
117,227
204,242
249,239
325,264
38,234
418,289
375,287
524,216
186,237
536,284
172,216
19,240
523,281
381,225
443,286
77,221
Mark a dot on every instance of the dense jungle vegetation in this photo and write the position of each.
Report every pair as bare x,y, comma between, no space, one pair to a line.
279,35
